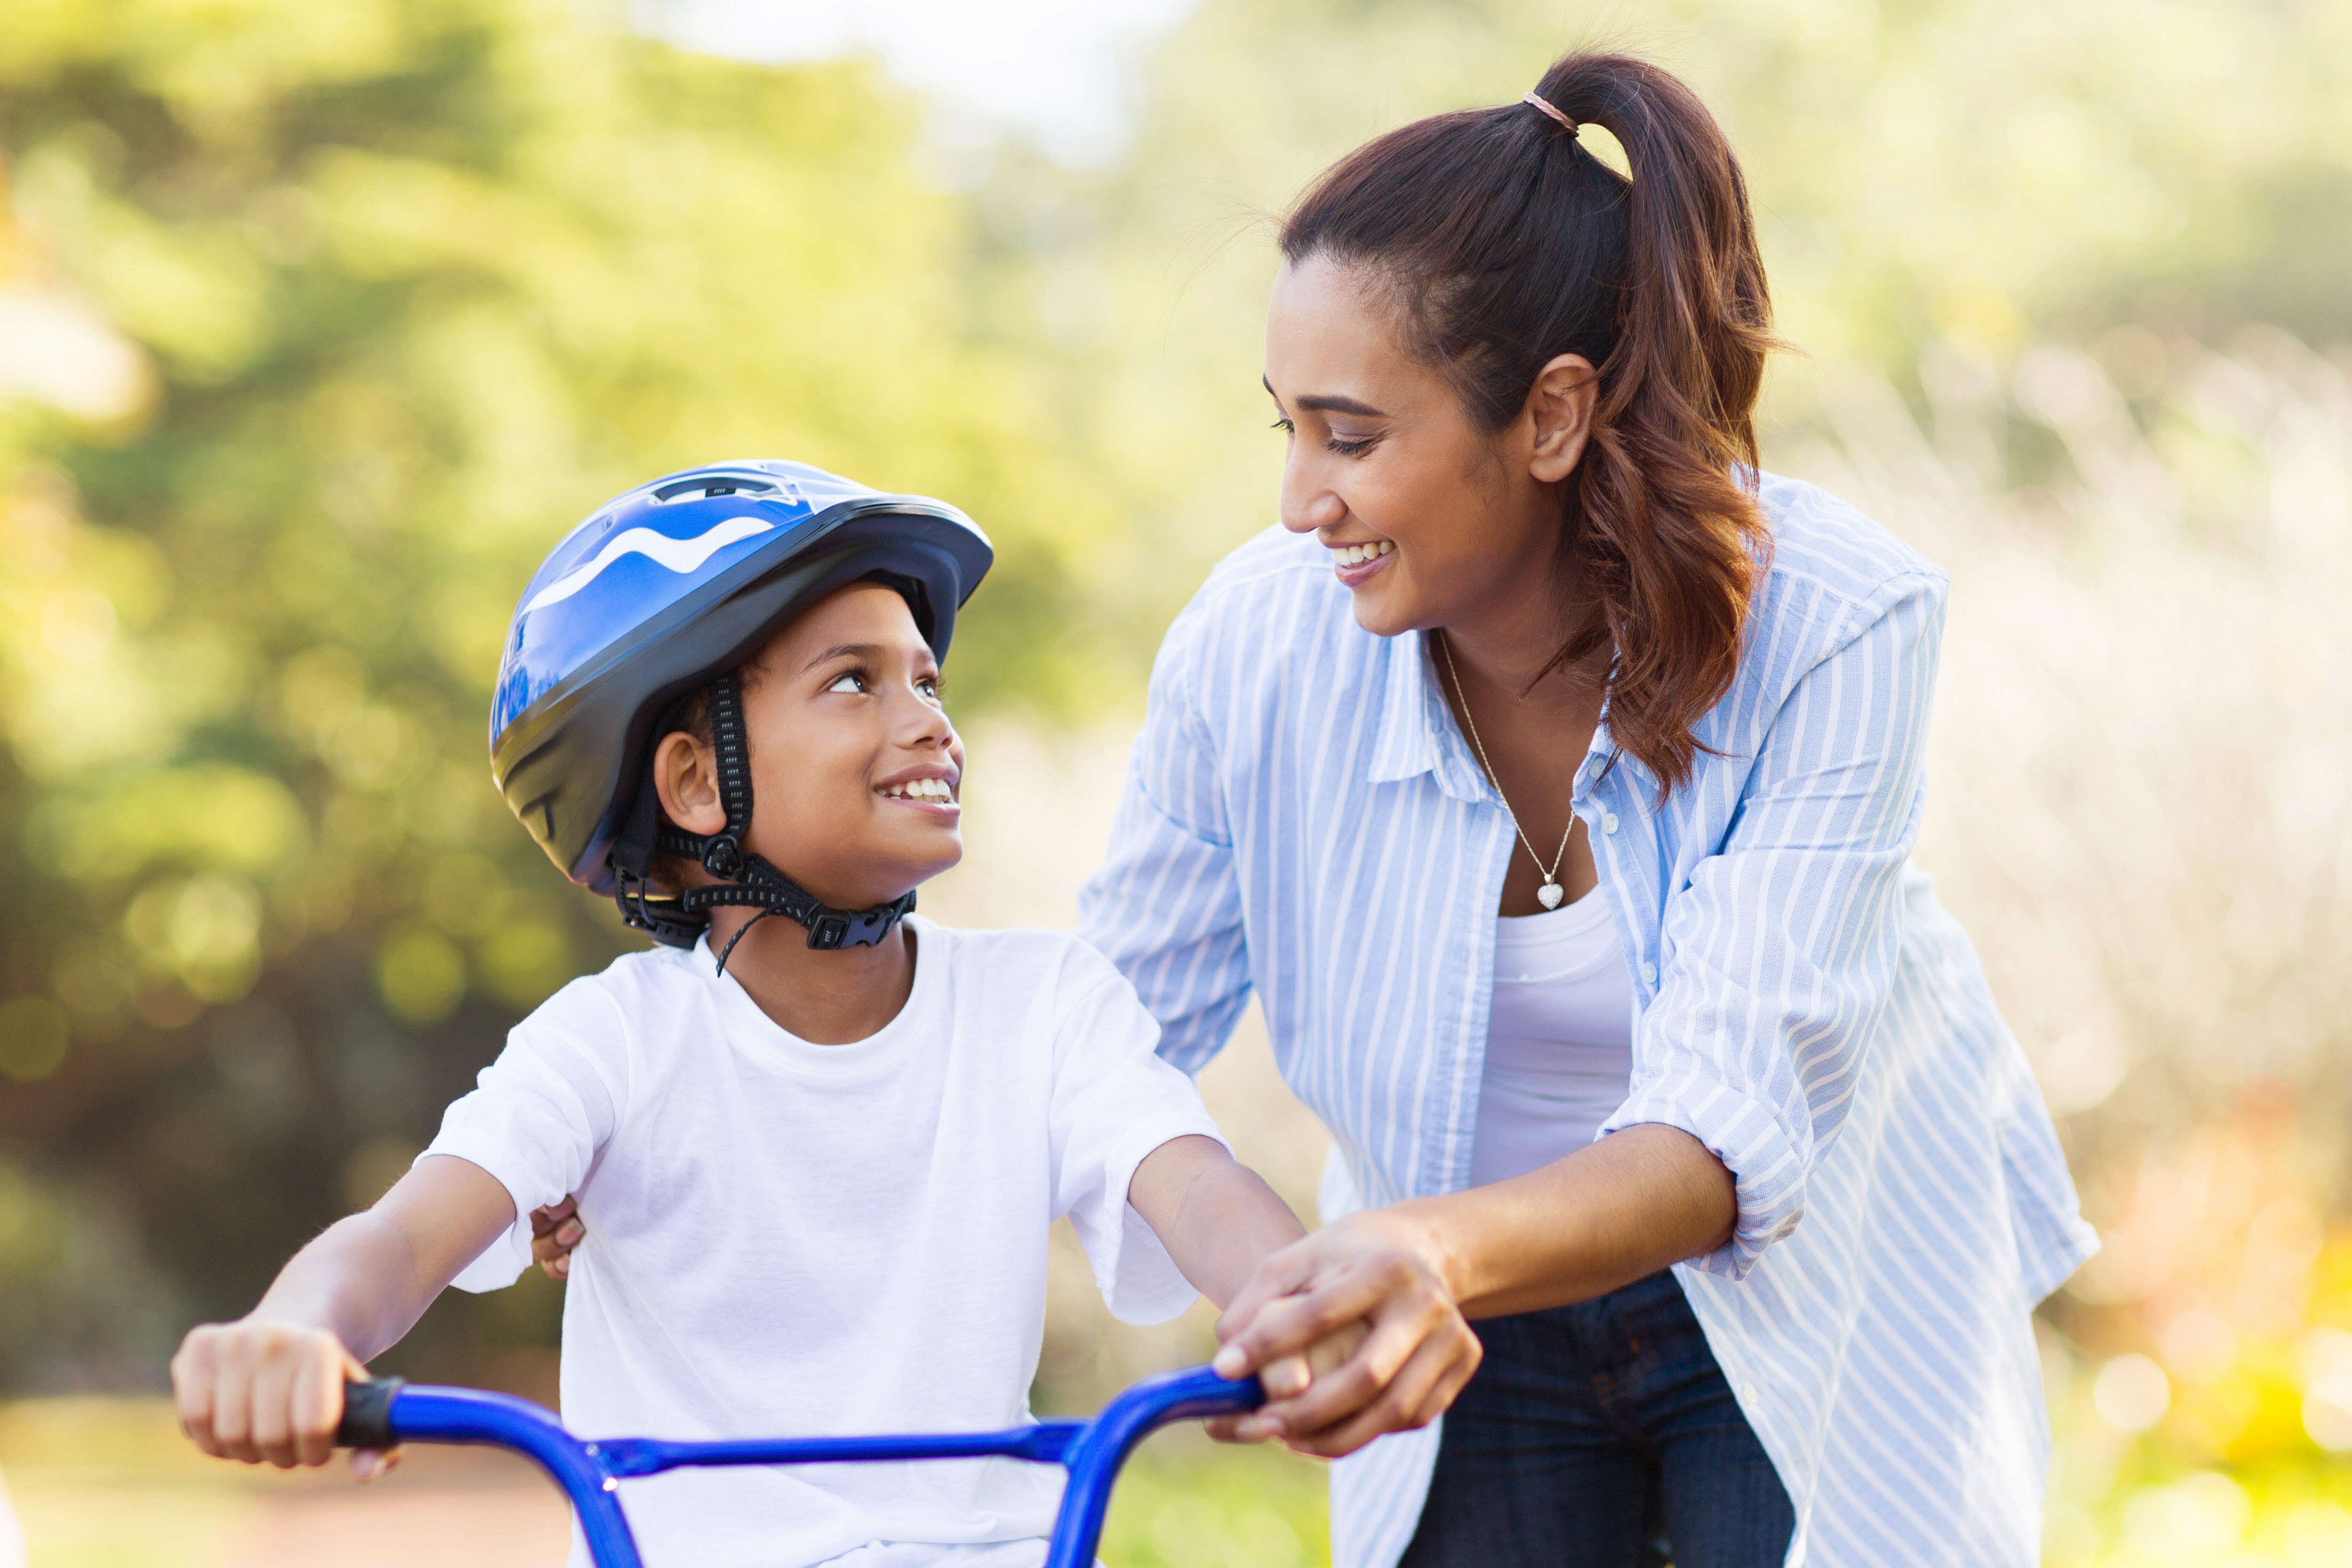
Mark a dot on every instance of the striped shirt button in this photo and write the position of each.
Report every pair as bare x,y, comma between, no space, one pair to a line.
1608,822
1649,973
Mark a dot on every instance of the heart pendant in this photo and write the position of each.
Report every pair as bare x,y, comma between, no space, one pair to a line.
1549,894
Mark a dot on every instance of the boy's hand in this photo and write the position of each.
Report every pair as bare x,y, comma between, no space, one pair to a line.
269,1386
262,1390
1291,1376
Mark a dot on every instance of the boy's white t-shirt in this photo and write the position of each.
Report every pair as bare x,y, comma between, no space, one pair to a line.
786,1238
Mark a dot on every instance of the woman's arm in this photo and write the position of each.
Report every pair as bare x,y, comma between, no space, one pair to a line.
1613,1212
269,1386
1165,905
1603,1217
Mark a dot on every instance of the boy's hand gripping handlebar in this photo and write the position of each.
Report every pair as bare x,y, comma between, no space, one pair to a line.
382,1412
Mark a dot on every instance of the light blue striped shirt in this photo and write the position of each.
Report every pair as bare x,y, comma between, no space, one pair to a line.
1303,821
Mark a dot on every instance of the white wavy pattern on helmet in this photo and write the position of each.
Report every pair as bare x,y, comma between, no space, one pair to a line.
680,556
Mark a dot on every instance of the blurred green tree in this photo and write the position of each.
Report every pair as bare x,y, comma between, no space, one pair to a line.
397,292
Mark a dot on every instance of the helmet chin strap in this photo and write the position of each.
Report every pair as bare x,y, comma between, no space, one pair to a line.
746,880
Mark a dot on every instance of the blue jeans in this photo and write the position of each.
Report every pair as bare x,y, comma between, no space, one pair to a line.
1601,1435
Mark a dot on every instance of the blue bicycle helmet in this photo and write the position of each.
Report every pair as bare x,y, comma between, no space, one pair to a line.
662,591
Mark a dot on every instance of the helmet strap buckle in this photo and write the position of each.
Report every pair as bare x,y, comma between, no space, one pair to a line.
722,856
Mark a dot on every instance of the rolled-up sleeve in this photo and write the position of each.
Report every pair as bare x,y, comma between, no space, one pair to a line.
1165,907
1779,956
538,1117
1115,1102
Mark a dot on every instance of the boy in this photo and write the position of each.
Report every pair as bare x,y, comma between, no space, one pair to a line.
817,1155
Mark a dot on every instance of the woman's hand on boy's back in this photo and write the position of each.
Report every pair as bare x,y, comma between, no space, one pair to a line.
556,1230
268,1392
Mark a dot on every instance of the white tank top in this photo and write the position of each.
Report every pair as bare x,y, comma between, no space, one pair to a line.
1560,1038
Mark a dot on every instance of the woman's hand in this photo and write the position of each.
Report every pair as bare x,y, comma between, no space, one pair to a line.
1288,1375
1381,1275
556,1230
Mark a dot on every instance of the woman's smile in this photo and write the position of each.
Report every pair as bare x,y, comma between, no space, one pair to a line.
1360,562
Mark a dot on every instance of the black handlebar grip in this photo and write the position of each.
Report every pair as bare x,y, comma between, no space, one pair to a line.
367,1414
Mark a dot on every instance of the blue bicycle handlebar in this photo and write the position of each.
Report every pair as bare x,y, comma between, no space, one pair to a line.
382,1412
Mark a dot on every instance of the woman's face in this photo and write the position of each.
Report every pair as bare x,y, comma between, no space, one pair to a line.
1430,521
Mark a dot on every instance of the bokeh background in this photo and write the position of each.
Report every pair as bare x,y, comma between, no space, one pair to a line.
319,323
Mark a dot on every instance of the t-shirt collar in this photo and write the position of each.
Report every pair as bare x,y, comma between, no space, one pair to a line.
752,1028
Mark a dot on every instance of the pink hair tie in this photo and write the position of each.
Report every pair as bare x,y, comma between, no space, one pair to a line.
1549,108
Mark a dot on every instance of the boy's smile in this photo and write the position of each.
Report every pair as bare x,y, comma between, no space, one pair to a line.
930,789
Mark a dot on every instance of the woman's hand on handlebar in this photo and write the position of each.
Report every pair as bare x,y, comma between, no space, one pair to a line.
1378,1270
556,1230
268,1390
1290,1375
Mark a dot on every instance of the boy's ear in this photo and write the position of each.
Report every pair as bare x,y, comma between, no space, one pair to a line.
686,777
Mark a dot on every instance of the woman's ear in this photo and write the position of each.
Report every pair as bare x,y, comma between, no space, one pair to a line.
686,777
1561,406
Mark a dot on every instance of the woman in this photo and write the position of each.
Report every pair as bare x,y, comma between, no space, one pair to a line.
1550,775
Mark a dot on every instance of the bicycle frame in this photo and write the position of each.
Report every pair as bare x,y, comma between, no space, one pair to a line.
382,1412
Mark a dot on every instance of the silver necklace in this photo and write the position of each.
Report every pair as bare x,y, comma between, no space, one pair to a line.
1550,892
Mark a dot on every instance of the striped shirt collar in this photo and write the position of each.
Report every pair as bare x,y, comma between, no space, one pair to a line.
1417,733
1413,716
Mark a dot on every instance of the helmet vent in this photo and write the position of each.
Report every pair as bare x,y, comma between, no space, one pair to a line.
704,486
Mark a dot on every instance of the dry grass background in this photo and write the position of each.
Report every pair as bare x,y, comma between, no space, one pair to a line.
2141,807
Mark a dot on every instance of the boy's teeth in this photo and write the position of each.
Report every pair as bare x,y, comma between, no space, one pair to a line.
1356,555
920,790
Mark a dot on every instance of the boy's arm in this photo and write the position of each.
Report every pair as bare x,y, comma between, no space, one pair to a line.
1216,1216
270,1386
1219,1221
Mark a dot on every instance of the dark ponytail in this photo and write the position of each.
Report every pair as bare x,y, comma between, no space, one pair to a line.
1503,241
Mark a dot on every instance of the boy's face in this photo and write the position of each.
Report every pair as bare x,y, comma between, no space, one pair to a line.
855,767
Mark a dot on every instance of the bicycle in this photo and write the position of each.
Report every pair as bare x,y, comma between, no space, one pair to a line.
382,1412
